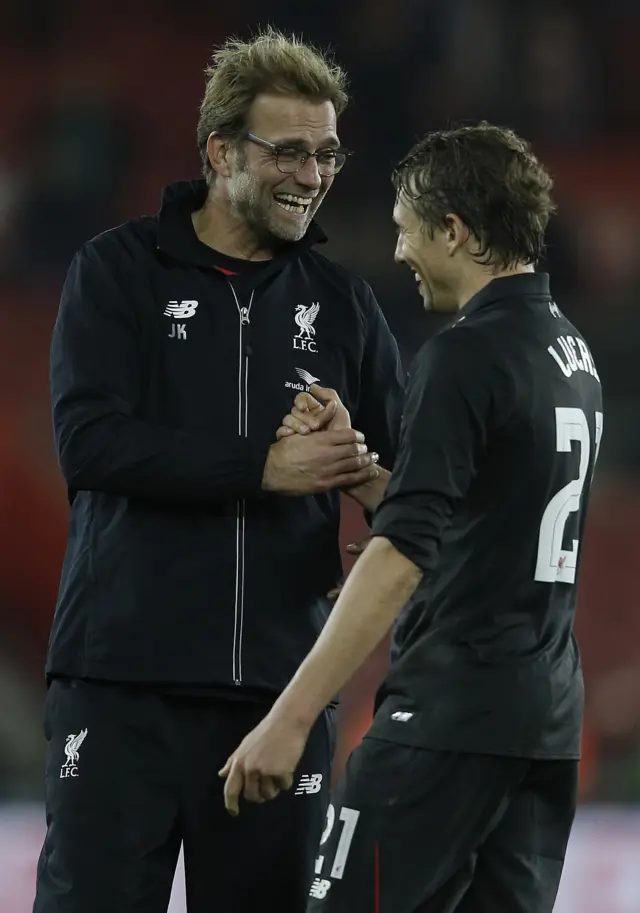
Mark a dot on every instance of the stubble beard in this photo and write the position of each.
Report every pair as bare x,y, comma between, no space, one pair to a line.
247,199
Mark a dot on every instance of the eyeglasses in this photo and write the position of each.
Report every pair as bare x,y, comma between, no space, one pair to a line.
290,159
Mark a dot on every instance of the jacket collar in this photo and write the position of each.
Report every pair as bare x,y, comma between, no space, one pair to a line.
176,235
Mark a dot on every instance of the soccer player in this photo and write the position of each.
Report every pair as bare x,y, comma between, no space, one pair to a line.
187,601
462,794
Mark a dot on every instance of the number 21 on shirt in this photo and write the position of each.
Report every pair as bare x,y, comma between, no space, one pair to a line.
554,563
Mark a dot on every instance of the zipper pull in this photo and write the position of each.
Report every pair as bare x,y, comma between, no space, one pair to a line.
244,320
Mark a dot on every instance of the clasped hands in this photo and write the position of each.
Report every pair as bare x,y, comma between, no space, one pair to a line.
334,456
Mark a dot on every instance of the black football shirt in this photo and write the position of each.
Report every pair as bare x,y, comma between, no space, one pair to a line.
489,494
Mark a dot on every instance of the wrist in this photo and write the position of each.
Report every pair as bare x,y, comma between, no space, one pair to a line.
268,481
291,711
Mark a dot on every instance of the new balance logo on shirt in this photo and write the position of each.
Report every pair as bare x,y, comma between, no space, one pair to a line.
309,784
320,888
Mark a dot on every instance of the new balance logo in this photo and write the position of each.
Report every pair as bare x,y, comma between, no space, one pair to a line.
401,716
180,309
71,749
320,888
309,783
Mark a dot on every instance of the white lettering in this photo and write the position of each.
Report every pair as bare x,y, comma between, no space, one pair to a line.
305,345
572,346
588,360
568,353
564,368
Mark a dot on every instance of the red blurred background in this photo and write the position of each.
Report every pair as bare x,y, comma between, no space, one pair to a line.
99,104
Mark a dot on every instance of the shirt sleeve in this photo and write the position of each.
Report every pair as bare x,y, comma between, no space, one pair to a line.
455,393
97,377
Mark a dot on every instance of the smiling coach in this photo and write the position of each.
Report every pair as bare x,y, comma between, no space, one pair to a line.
200,550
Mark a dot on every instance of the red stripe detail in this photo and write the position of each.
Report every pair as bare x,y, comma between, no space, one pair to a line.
376,878
227,272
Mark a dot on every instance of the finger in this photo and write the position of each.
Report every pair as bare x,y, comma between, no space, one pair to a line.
354,452
224,771
253,787
306,403
325,394
269,789
352,464
344,436
297,422
318,418
284,431
284,781
232,790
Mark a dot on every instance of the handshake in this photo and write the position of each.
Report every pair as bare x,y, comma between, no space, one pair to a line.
317,450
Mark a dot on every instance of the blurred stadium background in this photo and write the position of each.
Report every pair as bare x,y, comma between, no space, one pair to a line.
98,106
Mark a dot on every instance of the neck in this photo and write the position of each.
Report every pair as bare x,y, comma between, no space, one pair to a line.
475,281
220,227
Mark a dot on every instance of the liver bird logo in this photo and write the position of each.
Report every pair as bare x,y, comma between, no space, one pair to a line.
72,747
305,317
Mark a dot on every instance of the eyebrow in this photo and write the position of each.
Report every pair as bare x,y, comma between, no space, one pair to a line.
331,143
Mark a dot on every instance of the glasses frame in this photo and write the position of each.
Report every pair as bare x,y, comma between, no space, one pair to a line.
276,148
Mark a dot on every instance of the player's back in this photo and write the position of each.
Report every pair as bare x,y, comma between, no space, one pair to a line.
493,621
508,563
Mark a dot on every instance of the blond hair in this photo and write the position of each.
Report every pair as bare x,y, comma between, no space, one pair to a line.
272,62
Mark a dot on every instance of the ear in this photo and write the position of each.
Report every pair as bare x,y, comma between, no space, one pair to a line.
219,152
457,233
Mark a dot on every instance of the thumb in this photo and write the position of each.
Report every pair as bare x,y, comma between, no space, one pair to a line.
324,394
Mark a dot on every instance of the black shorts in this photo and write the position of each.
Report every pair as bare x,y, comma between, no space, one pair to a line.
143,780
416,831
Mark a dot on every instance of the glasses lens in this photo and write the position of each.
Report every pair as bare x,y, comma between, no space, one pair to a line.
289,160
330,161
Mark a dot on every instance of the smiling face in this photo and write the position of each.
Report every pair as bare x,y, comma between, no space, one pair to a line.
275,205
428,254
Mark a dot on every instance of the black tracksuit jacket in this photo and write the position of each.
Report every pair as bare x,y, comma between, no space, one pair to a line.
169,379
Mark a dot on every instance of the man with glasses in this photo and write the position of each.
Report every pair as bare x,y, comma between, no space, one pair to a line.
200,548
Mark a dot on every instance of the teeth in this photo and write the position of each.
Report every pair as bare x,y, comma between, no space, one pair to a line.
297,209
290,198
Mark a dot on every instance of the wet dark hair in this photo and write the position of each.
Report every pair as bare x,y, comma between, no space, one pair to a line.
487,176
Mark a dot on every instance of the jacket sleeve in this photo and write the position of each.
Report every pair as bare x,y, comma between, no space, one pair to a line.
97,358
379,411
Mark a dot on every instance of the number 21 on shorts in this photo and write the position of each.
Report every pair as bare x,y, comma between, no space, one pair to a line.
349,817
554,563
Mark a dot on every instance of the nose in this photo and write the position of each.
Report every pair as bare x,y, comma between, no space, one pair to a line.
309,176
399,259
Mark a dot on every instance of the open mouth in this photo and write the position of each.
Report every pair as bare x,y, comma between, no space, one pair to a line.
291,203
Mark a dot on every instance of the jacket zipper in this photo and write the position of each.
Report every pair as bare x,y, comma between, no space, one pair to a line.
244,350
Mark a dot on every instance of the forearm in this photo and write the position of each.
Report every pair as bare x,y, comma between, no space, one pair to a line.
371,494
124,456
380,584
